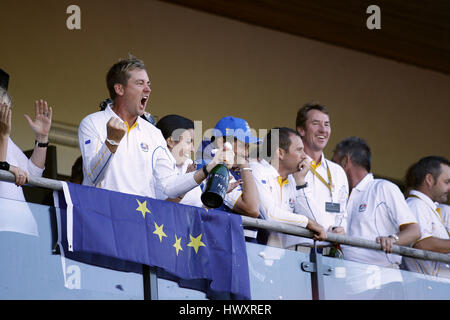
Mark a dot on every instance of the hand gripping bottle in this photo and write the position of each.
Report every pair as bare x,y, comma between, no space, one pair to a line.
216,185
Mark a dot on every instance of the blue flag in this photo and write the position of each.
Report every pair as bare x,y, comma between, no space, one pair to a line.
187,244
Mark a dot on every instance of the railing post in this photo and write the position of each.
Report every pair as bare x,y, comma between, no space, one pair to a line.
317,281
150,283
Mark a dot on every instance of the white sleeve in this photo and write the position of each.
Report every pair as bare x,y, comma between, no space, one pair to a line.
95,153
425,224
445,214
164,171
400,211
232,197
34,170
270,210
306,206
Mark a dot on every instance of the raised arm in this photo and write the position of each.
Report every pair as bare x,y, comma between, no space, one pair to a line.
41,128
98,146
5,130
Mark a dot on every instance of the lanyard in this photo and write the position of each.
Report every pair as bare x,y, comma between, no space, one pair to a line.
329,185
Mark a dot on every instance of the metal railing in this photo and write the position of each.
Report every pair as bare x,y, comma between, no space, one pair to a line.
277,226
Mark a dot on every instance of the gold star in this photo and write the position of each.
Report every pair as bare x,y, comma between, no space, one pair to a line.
142,208
196,242
177,244
159,231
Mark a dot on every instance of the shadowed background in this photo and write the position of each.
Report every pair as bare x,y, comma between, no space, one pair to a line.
206,65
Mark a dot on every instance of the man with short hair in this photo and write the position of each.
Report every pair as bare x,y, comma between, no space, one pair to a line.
123,152
279,178
376,208
325,197
429,179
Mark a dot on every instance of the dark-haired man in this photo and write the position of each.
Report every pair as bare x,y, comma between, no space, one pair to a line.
279,179
376,208
325,197
429,179
123,152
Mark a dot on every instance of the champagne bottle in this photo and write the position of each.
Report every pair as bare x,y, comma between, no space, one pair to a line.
216,186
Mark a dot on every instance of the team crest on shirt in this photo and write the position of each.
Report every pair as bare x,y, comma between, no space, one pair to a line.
144,147
291,203
362,207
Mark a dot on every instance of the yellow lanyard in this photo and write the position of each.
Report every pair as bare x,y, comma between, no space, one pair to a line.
329,184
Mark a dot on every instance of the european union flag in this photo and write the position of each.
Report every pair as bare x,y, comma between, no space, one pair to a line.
185,242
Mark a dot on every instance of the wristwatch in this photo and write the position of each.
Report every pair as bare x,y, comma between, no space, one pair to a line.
112,142
395,237
41,144
302,186
4,165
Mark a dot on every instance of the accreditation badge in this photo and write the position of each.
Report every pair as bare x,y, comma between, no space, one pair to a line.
332,207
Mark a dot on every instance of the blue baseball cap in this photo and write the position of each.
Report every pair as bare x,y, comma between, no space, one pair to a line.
236,127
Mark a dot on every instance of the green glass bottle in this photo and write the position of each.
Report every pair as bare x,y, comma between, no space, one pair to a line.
216,186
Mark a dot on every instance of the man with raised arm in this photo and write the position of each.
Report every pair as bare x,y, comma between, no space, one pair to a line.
123,152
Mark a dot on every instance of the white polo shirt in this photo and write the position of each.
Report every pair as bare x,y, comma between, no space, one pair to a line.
431,225
232,197
315,197
14,219
376,208
445,214
278,199
141,157
15,157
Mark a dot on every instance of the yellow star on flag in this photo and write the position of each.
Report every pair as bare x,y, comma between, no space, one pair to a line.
177,244
159,231
196,242
142,208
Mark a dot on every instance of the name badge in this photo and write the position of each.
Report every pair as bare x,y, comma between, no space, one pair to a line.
332,207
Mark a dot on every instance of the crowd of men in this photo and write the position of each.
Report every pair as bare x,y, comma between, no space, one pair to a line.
289,180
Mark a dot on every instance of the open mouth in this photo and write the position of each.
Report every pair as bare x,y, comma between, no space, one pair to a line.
144,101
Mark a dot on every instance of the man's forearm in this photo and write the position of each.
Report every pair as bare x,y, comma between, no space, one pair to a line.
38,156
3,148
433,244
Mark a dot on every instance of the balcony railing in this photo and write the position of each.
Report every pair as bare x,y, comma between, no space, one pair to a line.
30,269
